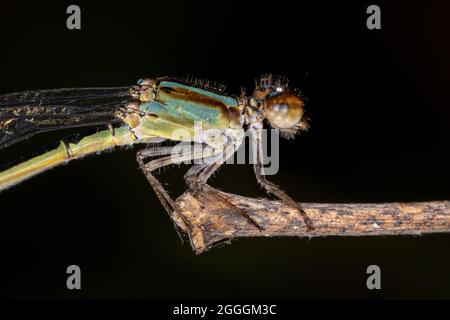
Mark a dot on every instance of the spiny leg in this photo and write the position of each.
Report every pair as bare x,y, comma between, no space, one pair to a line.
147,168
159,190
198,175
269,186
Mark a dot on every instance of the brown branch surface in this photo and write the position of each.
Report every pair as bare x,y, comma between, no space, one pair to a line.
213,222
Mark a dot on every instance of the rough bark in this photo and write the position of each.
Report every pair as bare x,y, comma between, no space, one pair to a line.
212,222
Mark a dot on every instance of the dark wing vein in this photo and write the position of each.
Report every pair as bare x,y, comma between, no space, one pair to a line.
27,113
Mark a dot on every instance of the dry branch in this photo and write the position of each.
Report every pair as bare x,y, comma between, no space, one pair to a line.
212,222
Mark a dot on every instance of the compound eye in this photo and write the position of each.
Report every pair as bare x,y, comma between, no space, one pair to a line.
284,111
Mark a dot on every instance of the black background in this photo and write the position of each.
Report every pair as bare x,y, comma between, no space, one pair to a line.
379,105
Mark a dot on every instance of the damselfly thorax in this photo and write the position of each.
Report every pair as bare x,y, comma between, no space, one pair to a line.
152,111
172,110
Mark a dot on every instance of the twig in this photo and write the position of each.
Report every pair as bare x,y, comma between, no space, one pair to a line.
213,222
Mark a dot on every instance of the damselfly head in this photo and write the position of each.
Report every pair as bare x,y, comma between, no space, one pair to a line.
283,108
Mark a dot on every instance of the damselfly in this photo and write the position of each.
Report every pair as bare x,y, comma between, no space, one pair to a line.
148,113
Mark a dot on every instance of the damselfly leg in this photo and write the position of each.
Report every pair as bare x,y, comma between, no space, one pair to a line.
170,157
198,175
268,186
208,190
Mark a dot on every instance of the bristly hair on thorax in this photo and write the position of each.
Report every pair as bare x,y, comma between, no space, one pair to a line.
204,84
